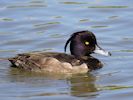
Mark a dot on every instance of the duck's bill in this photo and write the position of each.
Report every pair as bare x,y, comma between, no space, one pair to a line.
101,51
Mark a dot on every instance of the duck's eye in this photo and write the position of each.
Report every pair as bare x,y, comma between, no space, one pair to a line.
87,43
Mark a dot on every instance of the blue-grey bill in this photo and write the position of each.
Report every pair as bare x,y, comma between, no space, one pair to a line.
101,51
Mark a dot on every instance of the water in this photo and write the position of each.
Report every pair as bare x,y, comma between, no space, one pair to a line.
32,25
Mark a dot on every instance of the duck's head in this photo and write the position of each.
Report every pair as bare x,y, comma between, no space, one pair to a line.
83,43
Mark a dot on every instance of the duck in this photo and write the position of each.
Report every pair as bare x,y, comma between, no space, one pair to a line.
82,45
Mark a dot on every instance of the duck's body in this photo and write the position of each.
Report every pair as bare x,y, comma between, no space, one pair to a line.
54,62
82,44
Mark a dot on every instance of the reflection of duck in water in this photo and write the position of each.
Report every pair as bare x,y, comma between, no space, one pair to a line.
79,85
82,44
83,88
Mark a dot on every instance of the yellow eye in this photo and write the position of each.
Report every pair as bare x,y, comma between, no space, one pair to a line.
87,43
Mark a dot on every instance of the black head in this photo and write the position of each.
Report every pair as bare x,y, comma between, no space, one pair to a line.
84,43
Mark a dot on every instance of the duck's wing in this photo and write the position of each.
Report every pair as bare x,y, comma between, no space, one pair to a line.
25,61
42,60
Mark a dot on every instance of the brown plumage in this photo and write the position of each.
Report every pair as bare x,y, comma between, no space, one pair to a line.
54,62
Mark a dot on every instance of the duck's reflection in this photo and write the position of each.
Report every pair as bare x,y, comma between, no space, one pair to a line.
81,85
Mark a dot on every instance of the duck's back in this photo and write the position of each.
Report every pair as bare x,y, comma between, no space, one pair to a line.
53,62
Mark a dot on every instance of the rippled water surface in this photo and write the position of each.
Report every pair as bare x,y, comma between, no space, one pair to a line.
36,25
